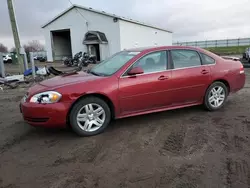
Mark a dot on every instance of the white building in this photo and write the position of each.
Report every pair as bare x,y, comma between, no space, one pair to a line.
99,33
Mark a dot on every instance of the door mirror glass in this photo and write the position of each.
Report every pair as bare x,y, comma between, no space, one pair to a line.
135,71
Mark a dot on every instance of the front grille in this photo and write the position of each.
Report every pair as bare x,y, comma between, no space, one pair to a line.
36,120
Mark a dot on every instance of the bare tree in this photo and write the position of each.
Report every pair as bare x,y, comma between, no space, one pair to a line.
33,46
13,49
3,48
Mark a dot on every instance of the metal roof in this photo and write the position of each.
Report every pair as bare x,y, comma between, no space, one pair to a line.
106,14
96,36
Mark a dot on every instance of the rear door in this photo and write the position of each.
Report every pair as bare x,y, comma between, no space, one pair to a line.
190,78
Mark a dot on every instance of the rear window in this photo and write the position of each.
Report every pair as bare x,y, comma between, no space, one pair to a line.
207,60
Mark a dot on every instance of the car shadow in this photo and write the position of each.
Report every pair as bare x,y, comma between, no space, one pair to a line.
48,132
67,133
53,137
155,118
129,122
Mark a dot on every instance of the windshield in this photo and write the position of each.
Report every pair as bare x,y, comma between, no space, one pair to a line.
113,64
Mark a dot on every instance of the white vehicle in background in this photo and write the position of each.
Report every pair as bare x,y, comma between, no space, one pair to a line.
246,55
7,58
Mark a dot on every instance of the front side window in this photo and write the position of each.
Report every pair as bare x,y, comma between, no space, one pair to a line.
113,64
207,60
153,62
185,58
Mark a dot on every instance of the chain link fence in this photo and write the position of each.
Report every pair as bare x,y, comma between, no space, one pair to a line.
216,43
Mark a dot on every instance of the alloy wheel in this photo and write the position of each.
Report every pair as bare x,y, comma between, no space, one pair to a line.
91,117
217,96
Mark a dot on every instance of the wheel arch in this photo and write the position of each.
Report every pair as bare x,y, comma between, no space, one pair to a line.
218,80
98,95
224,81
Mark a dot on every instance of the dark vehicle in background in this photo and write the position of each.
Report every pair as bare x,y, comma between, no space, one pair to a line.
40,58
133,82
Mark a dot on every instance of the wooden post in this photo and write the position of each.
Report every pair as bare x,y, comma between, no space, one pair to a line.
2,70
15,34
32,64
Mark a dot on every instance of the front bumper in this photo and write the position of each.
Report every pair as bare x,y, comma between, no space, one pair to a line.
45,115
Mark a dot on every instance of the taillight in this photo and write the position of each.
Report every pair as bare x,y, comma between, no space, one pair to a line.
242,71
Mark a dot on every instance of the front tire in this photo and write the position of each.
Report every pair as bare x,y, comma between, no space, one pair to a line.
90,116
216,96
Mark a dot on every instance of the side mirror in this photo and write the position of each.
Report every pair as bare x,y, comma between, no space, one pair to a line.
135,71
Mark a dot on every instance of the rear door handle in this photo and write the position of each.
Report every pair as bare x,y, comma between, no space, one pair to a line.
163,77
204,71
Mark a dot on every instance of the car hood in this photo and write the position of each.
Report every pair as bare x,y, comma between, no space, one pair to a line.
60,81
68,79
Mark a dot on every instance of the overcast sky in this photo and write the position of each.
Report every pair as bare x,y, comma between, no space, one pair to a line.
188,19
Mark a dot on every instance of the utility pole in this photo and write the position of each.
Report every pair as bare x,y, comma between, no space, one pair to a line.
15,34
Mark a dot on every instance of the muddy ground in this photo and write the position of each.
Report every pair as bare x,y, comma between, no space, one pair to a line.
185,148
15,68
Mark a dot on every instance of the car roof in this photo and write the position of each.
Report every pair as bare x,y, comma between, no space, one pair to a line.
156,48
159,48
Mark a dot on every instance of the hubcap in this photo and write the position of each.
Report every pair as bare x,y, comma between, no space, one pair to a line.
217,96
91,117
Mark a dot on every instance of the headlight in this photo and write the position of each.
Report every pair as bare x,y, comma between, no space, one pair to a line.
46,97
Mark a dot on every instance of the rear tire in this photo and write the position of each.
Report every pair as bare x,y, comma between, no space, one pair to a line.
216,96
90,116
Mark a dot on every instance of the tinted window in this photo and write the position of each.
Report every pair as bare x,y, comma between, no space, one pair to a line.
206,60
153,62
185,58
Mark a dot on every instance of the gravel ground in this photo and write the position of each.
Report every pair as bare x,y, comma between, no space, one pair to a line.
184,148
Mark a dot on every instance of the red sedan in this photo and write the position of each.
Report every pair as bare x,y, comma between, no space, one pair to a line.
133,82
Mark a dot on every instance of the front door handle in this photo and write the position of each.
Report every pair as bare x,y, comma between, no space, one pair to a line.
204,71
163,77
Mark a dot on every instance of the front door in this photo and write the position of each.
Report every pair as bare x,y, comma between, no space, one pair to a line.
149,90
190,78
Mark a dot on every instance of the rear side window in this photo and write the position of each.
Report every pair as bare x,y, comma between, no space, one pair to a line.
185,58
207,60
